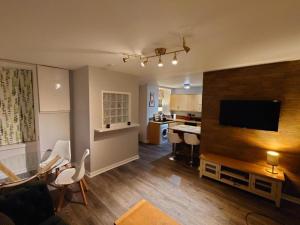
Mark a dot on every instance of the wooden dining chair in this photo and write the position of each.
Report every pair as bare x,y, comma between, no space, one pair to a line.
71,176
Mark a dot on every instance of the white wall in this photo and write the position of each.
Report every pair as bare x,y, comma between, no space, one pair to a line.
54,110
53,127
147,112
111,148
108,149
80,126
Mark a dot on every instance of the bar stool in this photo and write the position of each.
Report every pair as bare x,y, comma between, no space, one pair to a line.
191,139
174,139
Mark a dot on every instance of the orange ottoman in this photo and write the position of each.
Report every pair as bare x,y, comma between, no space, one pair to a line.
144,213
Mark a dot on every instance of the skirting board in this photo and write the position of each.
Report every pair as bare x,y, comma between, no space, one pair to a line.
290,198
110,167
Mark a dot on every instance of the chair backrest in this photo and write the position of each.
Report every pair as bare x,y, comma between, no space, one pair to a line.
80,169
63,149
174,138
191,139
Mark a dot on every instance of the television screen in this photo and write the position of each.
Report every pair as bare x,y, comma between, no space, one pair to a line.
260,115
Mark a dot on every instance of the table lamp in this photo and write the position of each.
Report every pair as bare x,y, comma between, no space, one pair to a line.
272,159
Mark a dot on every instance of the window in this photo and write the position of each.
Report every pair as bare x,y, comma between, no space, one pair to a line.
116,108
17,124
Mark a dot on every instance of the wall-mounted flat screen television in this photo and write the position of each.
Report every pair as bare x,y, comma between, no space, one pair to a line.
257,114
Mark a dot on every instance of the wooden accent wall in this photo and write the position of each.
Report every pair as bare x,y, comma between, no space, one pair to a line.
262,82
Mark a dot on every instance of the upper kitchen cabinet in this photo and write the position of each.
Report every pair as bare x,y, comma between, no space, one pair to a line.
179,103
54,93
186,103
196,103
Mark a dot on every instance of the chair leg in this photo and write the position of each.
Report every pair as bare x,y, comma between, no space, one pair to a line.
192,156
85,185
172,157
82,192
61,199
56,172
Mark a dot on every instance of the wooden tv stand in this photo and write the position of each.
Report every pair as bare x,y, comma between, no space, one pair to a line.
246,176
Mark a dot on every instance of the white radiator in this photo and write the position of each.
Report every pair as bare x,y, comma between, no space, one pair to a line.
19,158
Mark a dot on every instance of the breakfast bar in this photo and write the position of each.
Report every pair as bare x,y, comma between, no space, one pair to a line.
188,139
186,129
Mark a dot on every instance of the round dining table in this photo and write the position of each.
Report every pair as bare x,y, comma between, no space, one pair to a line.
11,174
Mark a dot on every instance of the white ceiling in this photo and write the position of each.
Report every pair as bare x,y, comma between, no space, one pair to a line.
221,34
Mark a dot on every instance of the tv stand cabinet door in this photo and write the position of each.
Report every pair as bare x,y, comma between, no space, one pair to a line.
210,169
266,188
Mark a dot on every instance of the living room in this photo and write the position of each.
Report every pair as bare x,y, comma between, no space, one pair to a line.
160,112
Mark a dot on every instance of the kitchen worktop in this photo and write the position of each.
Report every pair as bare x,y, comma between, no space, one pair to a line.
162,122
188,121
176,120
187,129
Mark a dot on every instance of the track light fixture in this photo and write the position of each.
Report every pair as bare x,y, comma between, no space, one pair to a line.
125,59
143,62
186,48
158,53
174,61
160,64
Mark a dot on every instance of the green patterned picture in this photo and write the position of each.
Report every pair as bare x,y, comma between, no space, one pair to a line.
16,106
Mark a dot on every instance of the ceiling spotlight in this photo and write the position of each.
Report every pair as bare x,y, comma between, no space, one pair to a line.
125,59
160,64
186,48
174,61
144,62
186,86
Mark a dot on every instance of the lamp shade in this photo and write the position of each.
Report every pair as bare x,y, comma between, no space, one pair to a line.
272,158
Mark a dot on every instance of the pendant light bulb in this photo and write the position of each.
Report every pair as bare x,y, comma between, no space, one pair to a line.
174,61
144,62
160,64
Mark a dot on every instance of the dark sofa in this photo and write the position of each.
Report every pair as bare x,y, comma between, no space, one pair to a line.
30,204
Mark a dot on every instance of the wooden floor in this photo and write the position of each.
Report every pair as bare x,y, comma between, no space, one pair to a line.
174,188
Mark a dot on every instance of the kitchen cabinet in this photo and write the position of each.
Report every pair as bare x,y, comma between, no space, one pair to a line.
186,103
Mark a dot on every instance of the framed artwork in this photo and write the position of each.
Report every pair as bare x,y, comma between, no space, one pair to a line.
151,100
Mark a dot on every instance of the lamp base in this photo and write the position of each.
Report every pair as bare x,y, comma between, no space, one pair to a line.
272,170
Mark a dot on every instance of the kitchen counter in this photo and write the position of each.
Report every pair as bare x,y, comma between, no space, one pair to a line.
162,122
187,129
186,121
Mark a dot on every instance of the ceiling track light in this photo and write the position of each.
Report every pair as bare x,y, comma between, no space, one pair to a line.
125,59
160,64
143,61
186,48
174,61
158,53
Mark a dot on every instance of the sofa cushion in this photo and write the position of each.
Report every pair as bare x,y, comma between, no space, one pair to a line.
54,220
5,220
30,204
